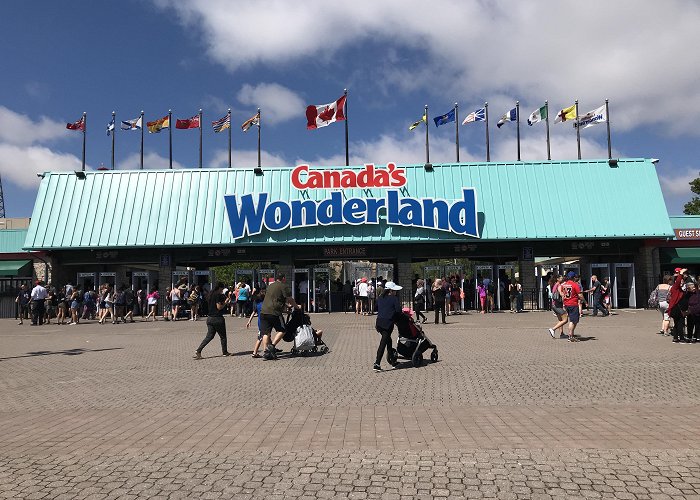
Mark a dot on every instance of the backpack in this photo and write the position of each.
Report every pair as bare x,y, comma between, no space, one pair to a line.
491,288
653,301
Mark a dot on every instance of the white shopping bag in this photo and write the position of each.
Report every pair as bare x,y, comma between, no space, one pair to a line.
304,339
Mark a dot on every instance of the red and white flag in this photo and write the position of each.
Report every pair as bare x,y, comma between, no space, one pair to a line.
188,122
79,125
325,114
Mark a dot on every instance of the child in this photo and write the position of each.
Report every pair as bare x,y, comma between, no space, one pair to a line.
256,312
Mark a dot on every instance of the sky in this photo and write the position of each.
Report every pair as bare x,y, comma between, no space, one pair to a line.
394,57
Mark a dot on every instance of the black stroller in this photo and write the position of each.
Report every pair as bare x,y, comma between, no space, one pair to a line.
412,342
298,330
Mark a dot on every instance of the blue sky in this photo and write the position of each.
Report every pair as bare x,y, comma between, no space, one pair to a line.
392,56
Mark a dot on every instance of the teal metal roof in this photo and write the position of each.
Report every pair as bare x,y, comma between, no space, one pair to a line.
515,201
685,221
12,240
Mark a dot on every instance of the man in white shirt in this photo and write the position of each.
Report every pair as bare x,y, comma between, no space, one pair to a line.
363,288
39,294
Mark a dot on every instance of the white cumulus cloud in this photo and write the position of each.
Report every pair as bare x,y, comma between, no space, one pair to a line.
20,164
21,130
278,104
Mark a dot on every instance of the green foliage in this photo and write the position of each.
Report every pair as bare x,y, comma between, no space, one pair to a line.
693,206
227,273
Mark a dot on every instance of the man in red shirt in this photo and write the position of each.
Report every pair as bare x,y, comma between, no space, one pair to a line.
572,295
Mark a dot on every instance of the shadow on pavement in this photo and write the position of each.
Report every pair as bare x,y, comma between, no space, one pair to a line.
65,352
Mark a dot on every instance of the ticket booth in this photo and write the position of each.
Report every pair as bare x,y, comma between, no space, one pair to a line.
141,280
108,277
86,281
300,287
321,289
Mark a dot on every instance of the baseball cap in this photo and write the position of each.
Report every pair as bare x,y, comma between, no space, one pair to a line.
392,286
677,270
364,280
570,274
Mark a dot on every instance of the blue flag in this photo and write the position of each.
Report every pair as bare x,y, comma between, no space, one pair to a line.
446,118
110,127
510,116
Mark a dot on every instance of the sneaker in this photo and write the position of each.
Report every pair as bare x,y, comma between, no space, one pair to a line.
676,340
551,332
197,356
377,367
660,332
227,354
267,356
573,339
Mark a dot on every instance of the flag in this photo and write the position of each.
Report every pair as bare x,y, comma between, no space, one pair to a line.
446,118
158,125
594,117
188,122
475,116
566,114
510,116
325,114
79,125
416,123
222,123
537,116
134,124
110,126
253,120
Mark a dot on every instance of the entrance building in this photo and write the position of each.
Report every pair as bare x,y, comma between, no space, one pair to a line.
506,221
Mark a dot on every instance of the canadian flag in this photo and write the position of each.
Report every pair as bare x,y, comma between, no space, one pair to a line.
325,114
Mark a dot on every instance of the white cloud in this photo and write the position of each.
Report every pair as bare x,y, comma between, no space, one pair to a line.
637,54
21,130
150,161
278,104
676,186
20,164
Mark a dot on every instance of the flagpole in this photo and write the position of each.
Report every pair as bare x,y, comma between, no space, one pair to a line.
84,135
141,139
578,131
229,137
427,142
517,122
607,119
546,110
200,138
486,112
347,153
170,136
457,129
259,163
114,132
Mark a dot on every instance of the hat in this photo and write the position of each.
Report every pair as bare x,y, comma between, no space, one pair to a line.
364,280
677,270
571,274
390,285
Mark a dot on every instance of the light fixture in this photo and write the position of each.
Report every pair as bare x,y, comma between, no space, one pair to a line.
428,167
612,162
40,175
80,174
258,171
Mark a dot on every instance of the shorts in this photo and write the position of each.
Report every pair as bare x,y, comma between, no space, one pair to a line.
559,310
663,307
270,321
573,313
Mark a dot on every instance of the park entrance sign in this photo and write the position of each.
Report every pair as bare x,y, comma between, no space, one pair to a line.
250,214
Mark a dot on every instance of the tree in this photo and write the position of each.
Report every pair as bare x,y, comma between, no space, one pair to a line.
693,206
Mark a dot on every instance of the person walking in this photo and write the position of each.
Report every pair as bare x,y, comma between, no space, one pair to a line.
573,297
388,306
256,312
676,297
278,298
23,299
439,294
216,323
152,301
38,295
597,289
662,291
482,292
419,301
557,304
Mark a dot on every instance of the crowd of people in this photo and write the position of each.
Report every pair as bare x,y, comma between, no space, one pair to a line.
678,300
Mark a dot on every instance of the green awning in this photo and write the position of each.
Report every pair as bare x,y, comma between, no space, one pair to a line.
13,267
680,255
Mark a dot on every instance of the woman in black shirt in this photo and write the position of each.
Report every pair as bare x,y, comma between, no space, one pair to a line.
215,321
439,293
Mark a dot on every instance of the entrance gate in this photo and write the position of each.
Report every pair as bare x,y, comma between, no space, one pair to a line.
430,274
602,271
321,288
141,280
506,276
482,272
624,289
265,277
86,281
108,277
177,276
300,287
458,271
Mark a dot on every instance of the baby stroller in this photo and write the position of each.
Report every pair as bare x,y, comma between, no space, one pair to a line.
412,341
298,330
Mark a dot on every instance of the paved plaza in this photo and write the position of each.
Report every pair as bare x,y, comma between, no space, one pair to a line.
123,411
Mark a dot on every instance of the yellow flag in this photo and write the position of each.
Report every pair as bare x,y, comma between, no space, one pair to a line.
566,114
416,123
